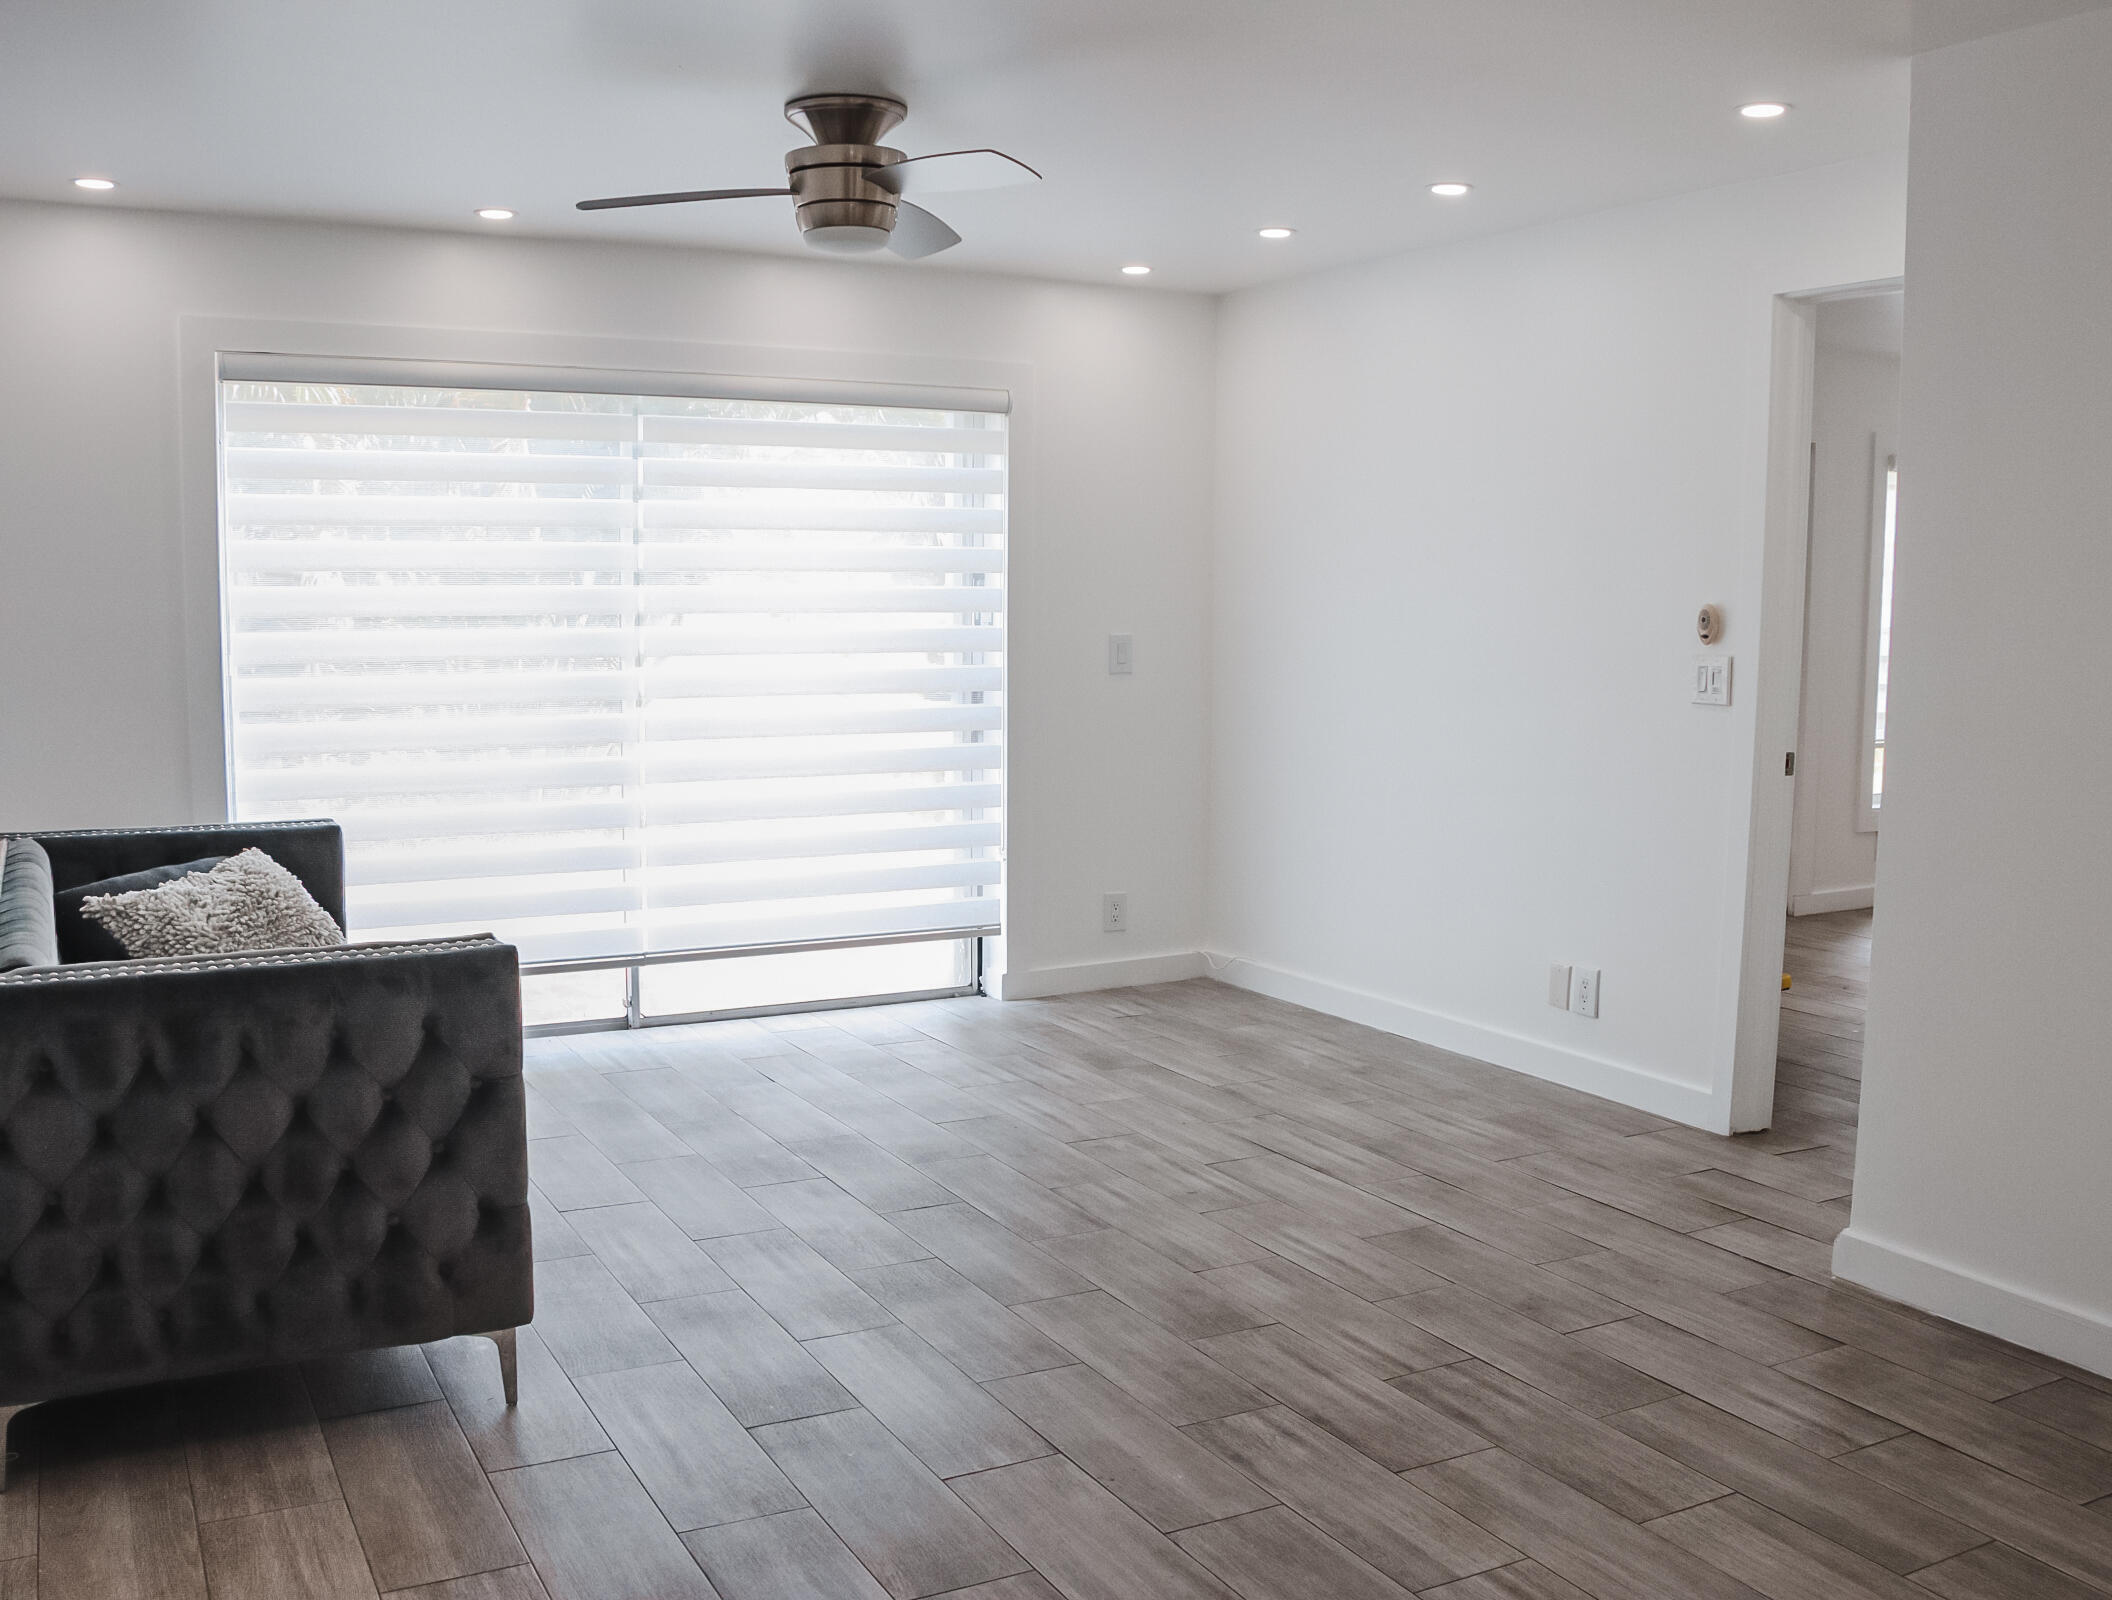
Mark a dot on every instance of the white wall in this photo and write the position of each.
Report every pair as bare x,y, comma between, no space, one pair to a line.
1832,863
1470,500
1111,510
1984,1180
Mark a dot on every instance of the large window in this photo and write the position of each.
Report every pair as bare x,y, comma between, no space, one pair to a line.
623,676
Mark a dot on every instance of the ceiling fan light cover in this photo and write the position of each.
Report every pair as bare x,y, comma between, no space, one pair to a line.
846,239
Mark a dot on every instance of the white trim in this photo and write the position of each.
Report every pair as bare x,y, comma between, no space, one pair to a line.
1691,1103
1038,983
1853,897
2005,1310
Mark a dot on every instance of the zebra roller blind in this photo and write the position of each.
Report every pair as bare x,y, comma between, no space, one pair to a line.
616,675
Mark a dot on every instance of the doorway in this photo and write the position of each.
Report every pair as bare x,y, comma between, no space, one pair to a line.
1815,846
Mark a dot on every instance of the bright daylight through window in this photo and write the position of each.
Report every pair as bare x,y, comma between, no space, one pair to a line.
1881,679
620,676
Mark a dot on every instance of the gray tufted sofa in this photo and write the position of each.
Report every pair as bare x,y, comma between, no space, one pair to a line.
217,1162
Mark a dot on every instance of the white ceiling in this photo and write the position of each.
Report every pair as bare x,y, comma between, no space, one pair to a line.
1169,130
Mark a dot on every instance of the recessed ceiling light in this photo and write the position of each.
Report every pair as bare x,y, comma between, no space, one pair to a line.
93,183
1135,269
1451,191
495,214
1764,110
1277,233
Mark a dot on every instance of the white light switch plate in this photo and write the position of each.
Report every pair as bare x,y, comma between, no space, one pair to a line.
1558,986
1712,680
1121,654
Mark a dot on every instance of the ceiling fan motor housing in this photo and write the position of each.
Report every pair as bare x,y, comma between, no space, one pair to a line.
840,208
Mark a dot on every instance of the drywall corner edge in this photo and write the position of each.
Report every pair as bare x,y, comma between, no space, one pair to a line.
2004,1310
1694,1104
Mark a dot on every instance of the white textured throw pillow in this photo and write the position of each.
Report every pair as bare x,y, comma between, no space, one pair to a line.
247,902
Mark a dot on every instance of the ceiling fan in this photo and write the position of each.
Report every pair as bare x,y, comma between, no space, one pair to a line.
848,188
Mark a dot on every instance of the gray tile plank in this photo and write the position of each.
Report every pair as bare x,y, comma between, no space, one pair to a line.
988,1254
1179,1300
1662,1201
1392,1428
422,1505
945,1417
862,1169
573,1174
310,1551
790,1556
1777,1556
1140,1357
1549,1299
741,1152
589,1323
1701,1264
1557,1363
1521,1580
646,1253
697,1462
595,1534
1365,1267
1278,1555
508,1583
1029,1209
758,1370
1327,1200
119,1526
1351,1329
1146,1462
1585,1453
1852,1510
256,1446
550,1422
1674,1298
1979,1365
1773,1246
1184,1236
1765,1396
909,1529
789,1279
1573,1535
698,1198
843,1230
970,1329
1084,1540
2080,1412
2030,1450
1996,1572
369,1380
1379,1515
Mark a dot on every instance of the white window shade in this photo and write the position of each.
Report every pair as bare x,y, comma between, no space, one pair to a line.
616,675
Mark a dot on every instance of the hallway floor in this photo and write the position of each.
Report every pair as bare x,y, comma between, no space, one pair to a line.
1146,1295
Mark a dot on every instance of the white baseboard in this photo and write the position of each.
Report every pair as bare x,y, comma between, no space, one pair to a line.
1039,983
1856,897
2069,1333
1610,1080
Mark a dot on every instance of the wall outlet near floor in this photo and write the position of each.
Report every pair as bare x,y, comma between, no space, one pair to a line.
1558,986
1584,991
1114,913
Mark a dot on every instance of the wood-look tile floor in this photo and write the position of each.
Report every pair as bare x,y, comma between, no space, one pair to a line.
1161,1293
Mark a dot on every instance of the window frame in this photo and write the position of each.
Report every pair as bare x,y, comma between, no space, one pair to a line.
211,349
1884,464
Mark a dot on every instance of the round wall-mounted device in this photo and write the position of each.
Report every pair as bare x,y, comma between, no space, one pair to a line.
1710,624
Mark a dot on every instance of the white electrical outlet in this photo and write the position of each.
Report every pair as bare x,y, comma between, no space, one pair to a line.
1121,654
1584,992
1558,986
1114,913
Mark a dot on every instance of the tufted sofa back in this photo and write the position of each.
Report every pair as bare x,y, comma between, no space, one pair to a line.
313,851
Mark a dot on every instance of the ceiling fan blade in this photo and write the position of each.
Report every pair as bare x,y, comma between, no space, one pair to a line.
951,171
918,233
674,199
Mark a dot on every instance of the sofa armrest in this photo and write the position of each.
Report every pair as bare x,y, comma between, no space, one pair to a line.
313,851
209,1162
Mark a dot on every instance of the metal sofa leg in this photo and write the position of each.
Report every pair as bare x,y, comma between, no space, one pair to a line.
509,1375
7,1415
